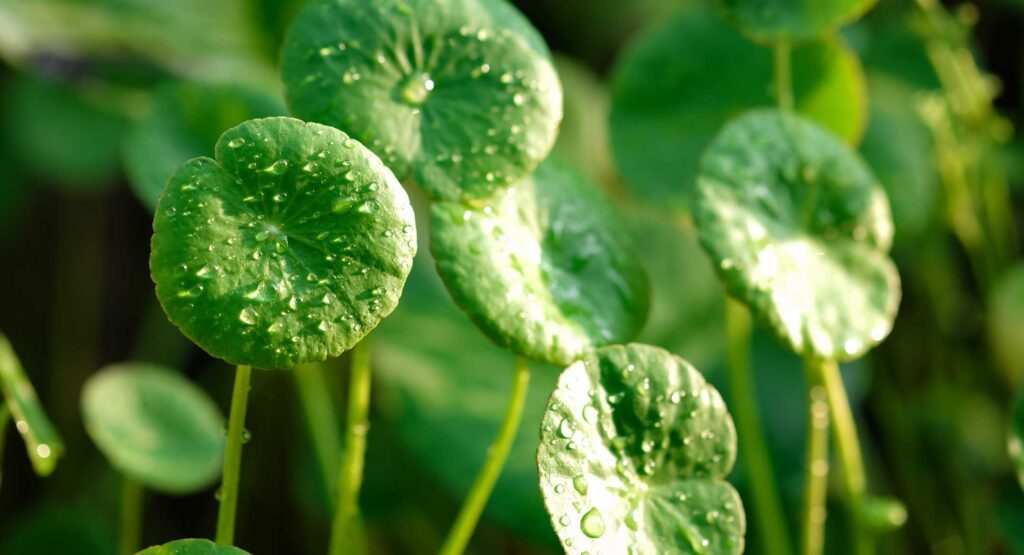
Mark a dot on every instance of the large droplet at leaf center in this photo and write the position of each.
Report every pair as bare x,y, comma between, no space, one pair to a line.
415,90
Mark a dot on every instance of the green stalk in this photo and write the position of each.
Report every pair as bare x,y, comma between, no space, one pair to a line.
322,421
473,506
357,424
5,418
844,433
754,447
131,516
816,469
783,75
233,458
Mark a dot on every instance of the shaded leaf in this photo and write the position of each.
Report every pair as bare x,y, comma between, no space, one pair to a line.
192,547
42,442
792,20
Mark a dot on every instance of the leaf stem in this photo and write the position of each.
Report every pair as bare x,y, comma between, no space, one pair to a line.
783,75
816,462
473,506
131,516
844,433
233,458
770,514
350,474
322,421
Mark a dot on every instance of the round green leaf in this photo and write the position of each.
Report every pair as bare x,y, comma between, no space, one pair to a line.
793,20
461,93
545,269
192,547
155,426
799,230
676,86
289,248
634,449
184,122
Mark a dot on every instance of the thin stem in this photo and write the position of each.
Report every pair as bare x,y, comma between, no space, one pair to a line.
5,418
783,76
473,506
844,433
233,458
754,447
131,516
816,470
350,474
321,420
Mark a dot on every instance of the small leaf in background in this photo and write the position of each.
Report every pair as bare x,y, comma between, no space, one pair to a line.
289,248
675,86
799,230
460,94
42,442
68,134
634,450
546,269
1006,323
155,426
772,20
192,547
883,514
183,122
583,136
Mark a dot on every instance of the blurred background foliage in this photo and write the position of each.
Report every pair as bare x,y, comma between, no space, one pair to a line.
97,94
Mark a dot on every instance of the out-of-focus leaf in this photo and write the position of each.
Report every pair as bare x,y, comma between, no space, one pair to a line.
184,122
1015,443
192,547
773,20
42,442
1006,322
288,248
583,138
676,86
62,132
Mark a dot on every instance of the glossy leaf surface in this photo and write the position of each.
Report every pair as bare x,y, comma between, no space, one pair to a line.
799,230
676,86
42,441
184,121
793,20
155,426
192,547
289,248
461,94
635,446
545,269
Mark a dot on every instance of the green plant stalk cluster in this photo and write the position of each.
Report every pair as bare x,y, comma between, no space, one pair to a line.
357,425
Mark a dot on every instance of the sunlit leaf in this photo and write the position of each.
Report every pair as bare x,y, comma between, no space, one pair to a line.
461,94
792,20
184,122
289,248
155,426
799,230
634,451
192,547
674,87
545,269
42,442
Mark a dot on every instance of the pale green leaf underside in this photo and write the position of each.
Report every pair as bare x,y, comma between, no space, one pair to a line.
545,269
799,230
793,20
459,93
192,547
42,441
184,121
675,87
289,248
155,426
634,449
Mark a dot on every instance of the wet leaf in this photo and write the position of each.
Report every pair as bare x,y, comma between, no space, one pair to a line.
461,94
183,122
799,230
545,269
42,442
676,86
192,547
289,248
155,426
635,446
771,20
